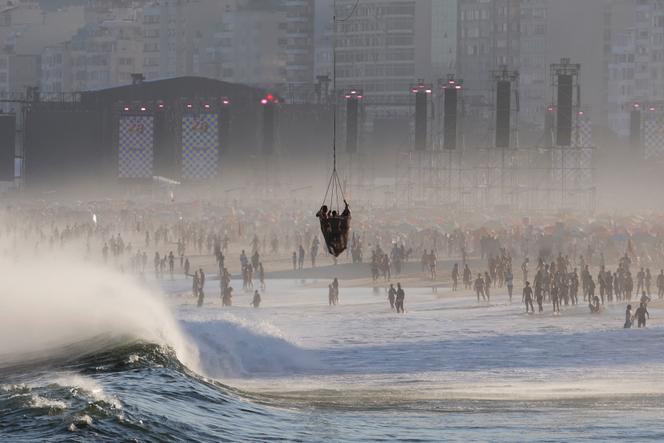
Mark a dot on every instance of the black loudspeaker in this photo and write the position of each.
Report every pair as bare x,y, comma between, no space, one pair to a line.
564,108
351,124
503,113
420,121
7,146
450,118
635,129
268,128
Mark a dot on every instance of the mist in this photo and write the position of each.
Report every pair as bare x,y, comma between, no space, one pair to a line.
331,220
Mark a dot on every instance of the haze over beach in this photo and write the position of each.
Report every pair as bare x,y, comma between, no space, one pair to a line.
331,220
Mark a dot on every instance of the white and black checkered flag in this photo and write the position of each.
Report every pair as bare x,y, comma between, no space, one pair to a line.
136,146
653,138
200,146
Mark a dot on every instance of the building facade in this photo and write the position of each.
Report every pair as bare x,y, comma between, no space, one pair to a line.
636,63
386,46
299,47
489,36
249,46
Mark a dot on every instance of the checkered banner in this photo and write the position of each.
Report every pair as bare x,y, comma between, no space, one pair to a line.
583,134
200,146
653,138
136,147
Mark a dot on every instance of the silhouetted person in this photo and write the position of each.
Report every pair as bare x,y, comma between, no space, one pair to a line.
400,298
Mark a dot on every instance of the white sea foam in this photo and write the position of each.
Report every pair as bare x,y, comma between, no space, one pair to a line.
37,401
82,386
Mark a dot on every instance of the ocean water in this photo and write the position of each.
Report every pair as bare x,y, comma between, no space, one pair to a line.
117,361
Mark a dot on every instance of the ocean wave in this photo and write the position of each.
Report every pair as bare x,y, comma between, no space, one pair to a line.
75,310
229,346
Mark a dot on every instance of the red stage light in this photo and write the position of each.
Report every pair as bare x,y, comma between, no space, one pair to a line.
269,97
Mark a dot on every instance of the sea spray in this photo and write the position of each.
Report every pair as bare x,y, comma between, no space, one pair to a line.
48,305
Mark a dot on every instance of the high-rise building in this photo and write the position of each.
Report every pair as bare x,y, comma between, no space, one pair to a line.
533,67
265,43
18,72
25,30
443,36
165,35
56,69
488,38
385,46
105,54
175,33
527,36
636,64
299,46
323,39
249,46
580,36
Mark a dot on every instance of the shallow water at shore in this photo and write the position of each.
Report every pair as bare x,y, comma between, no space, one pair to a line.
449,369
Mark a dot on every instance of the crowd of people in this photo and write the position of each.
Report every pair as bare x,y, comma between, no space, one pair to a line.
598,261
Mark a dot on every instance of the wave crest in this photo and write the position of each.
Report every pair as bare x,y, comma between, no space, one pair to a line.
232,347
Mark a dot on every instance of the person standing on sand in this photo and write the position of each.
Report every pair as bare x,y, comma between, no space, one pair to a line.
335,286
194,284
391,295
300,261
401,295
256,302
455,277
467,275
527,297
432,265
479,287
509,280
524,269
487,286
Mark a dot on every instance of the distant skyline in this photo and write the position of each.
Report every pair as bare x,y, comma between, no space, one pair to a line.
91,44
